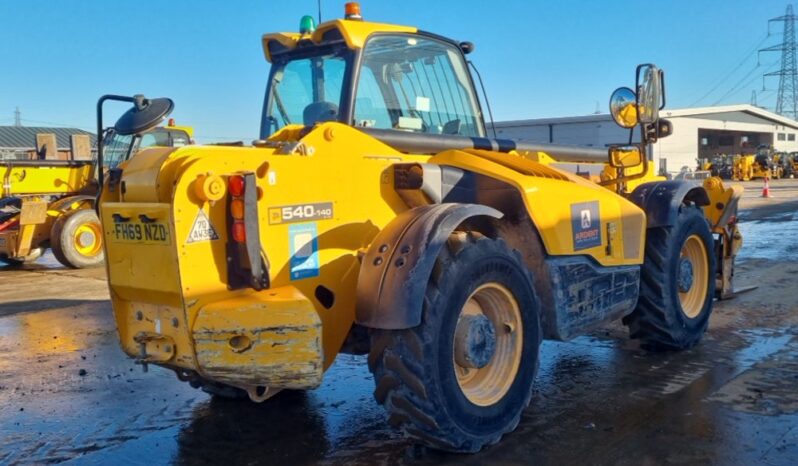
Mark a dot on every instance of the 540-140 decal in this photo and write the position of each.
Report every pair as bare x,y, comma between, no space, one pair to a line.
300,213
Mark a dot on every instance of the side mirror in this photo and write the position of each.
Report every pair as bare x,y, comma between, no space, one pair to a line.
623,107
466,47
650,93
625,156
144,115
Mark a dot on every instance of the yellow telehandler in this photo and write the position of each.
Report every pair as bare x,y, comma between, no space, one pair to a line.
50,203
375,215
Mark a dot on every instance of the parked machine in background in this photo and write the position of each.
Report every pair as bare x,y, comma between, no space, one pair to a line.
786,161
376,215
720,165
743,168
764,165
50,203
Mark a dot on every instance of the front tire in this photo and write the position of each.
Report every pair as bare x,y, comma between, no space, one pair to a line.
460,379
76,239
677,284
32,256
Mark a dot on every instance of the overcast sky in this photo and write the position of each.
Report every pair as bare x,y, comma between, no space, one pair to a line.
538,58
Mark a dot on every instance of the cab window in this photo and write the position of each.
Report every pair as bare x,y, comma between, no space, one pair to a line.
418,84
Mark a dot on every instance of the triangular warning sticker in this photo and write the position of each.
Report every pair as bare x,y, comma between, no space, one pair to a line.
202,230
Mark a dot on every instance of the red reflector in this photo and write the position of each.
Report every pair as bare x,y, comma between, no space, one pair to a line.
239,232
236,185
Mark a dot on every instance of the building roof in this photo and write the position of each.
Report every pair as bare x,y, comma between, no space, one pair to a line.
666,113
24,137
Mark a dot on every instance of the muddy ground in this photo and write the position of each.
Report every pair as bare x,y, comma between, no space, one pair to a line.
68,394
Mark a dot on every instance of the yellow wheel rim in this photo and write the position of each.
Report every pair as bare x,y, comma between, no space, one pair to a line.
692,276
86,239
486,385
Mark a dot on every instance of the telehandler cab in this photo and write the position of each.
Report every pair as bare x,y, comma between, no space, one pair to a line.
50,203
375,215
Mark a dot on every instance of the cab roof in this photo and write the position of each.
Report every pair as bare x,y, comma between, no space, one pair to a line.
353,32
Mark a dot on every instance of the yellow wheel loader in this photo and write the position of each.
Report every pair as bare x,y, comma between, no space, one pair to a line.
376,215
765,164
743,168
50,203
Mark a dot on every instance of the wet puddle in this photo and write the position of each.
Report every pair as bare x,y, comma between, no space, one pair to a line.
773,237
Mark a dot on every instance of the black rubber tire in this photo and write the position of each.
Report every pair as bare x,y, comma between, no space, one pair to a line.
32,256
413,368
63,245
658,320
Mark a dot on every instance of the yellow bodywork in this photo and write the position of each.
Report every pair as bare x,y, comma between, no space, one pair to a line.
36,178
168,237
154,282
354,33
37,184
743,168
48,190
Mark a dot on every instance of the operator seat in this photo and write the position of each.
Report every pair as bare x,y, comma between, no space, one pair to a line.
319,112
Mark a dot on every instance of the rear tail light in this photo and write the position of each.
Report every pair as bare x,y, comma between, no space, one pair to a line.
247,264
236,185
239,232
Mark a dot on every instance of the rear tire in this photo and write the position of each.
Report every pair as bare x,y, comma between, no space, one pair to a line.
438,382
677,284
76,239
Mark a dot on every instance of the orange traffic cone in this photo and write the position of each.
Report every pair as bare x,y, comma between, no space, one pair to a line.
766,189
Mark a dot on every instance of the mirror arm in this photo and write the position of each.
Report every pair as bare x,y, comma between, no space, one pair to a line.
623,179
138,100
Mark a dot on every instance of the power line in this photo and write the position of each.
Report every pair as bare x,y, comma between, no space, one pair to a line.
727,75
742,83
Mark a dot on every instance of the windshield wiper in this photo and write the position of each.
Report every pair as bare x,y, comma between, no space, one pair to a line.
280,107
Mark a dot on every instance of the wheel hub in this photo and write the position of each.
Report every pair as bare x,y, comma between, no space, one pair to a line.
85,239
474,341
685,280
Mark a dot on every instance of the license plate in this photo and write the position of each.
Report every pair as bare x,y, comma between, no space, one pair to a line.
135,232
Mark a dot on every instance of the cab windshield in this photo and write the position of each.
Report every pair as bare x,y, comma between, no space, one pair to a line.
305,91
417,84
406,82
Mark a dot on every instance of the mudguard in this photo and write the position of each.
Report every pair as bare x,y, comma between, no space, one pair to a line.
395,270
660,200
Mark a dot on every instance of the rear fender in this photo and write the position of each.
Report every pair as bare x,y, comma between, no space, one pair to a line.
398,264
661,200
72,203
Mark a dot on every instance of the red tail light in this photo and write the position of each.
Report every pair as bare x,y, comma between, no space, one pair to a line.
236,185
239,232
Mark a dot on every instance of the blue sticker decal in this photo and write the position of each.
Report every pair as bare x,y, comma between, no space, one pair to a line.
586,225
304,247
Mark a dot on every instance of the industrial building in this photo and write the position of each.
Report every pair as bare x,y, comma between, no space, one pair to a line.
19,142
697,133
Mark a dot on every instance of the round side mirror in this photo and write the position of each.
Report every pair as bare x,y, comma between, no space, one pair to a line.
146,114
623,107
649,93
